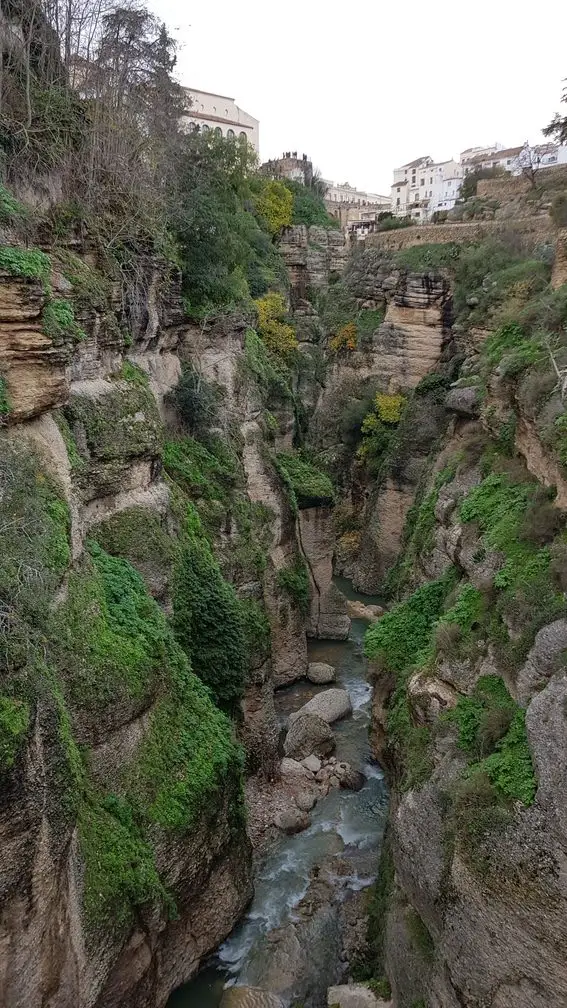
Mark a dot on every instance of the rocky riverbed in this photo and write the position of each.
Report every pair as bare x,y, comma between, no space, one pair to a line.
316,832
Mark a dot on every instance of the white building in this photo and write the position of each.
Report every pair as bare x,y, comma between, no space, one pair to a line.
424,186
345,193
513,159
222,115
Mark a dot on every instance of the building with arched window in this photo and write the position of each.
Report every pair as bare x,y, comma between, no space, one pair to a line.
221,114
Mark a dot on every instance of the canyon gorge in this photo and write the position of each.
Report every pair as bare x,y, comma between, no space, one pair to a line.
283,576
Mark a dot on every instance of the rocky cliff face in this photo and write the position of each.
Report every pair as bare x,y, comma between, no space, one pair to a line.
98,459
122,875
468,704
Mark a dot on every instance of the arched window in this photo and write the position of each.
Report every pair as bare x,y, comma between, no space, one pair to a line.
218,131
205,128
242,135
230,134
193,127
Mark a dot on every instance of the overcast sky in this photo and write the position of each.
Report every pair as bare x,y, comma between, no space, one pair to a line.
363,87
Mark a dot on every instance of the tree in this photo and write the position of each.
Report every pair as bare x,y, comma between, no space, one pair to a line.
274,204
557,128
529,163
470,181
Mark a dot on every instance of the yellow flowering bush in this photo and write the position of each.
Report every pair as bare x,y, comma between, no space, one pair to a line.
344,338
278,336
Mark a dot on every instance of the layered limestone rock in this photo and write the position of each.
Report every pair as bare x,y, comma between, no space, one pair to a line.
328,618
31,365
477,900
103,448
311,255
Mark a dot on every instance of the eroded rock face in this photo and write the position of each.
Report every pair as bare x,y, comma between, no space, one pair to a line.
104,451
32,367
328,618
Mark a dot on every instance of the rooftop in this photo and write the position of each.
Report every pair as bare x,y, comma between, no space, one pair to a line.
418,161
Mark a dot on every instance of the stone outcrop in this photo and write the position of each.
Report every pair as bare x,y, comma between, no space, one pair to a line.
311,256
327,608
330,705
471,917
32,366
320,673
354,996
309,734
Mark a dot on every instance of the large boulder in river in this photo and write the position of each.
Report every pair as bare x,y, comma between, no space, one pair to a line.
353,996
330,705
358,610
321,673
249,997
307,735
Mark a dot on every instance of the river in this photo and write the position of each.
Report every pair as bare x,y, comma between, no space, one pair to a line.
344,823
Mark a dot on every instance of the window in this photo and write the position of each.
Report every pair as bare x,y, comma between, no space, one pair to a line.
397,190
430,181
422,181
416,197
509,161
205,128
242,135
230,133
398,200
218,131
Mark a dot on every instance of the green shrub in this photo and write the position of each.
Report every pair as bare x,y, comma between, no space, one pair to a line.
11,210
4,403
499,505
393,223
295,581
59,321
188,757
14,724
420,935
256,627
466,613
402,636
197,401
310,487
492,731
309,207
109,636
559,210
422,258
271,374
120,869
208,472
207,618
30,263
